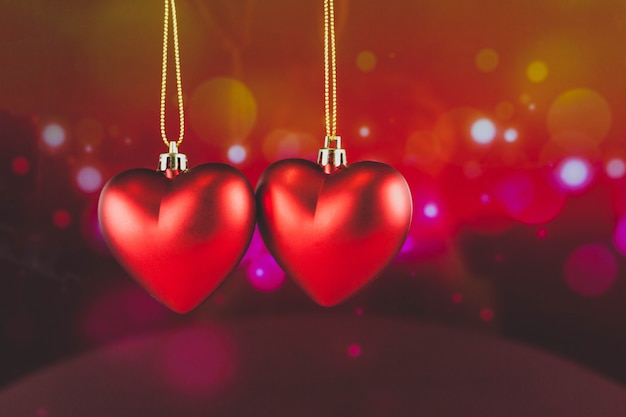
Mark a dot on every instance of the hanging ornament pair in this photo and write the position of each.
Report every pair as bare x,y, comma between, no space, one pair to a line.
331,226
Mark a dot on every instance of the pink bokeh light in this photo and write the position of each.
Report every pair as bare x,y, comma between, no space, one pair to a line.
264,274
89,179
20,166
457,298
62,219
487,315
590,270
354,350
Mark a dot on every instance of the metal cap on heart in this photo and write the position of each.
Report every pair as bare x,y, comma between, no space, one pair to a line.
178,237
333,232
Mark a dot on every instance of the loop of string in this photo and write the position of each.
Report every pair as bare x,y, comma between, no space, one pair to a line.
330,69
179,87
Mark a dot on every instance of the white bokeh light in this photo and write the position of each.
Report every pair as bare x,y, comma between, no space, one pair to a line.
574,173
53,135
483,131
89,179
237,154
510,135
431,210
364,131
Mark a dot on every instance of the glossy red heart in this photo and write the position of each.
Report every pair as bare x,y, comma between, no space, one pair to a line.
333,233
179,238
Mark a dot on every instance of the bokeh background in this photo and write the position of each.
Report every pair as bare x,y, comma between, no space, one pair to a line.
504,117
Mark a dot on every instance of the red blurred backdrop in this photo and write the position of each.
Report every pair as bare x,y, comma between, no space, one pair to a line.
503,116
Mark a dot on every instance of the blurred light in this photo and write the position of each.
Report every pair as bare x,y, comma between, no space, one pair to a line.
525,98
61,219
615,168
590,270
20,165
530,196
366,61
483,131
53,135
364,131
222,111
487,315
485,198
237,154
510,135
431,210
89,179
537,71
354,350
532,107
359,311
487,60
457,298
580,110
574,173
264,274
542,233
515,193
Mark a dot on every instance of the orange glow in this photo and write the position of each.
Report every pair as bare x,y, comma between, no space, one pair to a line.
580,110
487,60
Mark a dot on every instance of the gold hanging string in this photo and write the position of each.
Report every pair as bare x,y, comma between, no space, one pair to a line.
179,86
330,69
332,156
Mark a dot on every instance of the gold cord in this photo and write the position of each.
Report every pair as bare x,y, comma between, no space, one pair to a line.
179,86
330,69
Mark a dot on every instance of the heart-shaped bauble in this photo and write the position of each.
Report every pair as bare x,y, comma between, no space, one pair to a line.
180,237
333,233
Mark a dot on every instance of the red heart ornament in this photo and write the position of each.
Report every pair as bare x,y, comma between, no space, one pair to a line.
333,233
180,237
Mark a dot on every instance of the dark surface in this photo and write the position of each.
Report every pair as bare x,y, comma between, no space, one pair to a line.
309,366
